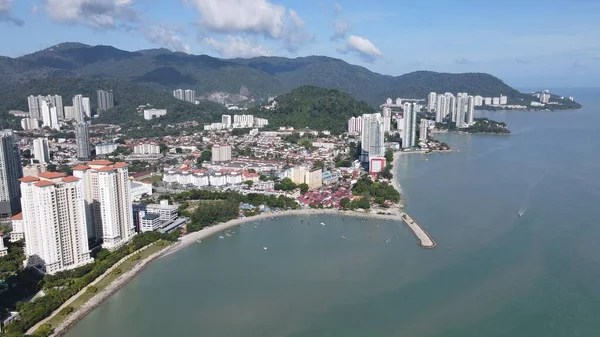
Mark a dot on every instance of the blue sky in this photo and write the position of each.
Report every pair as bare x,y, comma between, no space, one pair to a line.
526,43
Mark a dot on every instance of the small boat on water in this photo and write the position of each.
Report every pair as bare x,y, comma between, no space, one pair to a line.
221,237
387,240
521,212
343,237
199,241
228,234
265,248
322,224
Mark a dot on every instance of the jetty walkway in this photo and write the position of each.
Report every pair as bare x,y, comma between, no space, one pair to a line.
420,233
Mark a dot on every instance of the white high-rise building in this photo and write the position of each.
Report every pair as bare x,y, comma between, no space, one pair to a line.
452,108
439,108
87,107
478,100
243,121
35,107
431,101
226,121
470,118
179,94
78,109
41,151
108,201
69,113
49,115
461,108
398,101
221,153
190,96
423,130
389,101
10,172
146,149
495,100
105,100
503,100
355,125
372,137
488,101
54,222
57,102
409,130
30,124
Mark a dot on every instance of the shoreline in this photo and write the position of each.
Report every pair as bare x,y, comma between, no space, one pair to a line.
189,239
105,294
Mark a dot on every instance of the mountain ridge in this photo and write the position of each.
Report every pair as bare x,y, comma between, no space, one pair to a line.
263,76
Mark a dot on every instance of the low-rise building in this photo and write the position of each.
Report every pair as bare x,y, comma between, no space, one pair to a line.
106,148
149,221
149,114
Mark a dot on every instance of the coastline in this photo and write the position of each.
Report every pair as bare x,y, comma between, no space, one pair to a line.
189,239
105,294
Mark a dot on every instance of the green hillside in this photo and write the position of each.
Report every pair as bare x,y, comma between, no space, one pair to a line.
314,108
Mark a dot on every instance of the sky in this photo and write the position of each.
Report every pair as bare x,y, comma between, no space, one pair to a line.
527,43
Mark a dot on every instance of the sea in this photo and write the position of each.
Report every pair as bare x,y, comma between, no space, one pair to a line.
493,272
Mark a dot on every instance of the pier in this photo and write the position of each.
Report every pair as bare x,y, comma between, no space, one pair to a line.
420,233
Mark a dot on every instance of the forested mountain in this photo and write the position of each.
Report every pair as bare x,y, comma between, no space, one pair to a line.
261,76
314,108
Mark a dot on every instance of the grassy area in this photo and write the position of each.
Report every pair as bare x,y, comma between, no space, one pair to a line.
156,178
106,281
193,204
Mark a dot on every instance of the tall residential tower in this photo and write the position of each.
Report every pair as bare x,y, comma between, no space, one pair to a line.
10,172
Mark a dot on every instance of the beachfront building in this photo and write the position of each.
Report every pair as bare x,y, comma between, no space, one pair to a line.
54,222
410,123
108,201
372,137
423,130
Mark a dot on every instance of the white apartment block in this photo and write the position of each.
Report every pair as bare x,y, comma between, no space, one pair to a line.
49,115
106,148
149,114
108,201
30,124
221,153
41,151
355,125
54,222
146,149
226,121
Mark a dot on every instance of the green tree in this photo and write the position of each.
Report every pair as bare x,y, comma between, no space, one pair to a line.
303,188
389,155
178,150
206,155
249,183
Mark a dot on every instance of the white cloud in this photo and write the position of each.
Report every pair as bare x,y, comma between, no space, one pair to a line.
237,46
340,29
165,37
107,14
255,17
362,47
5,7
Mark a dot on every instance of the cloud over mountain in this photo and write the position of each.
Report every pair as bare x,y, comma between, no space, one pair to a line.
362,47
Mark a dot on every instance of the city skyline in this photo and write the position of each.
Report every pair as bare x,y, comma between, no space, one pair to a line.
531,51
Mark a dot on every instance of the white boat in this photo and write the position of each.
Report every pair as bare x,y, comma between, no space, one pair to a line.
221,237
343,237
265,248
322,224
521,212
199,241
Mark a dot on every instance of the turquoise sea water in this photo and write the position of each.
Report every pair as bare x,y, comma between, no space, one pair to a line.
493,273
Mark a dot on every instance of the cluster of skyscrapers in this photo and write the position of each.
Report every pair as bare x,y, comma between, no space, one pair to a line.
185,95
459,109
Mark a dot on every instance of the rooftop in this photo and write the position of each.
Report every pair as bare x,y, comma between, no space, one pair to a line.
100,162
70,179
44,183
17,217
81,168
29,179
52,175
106,169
